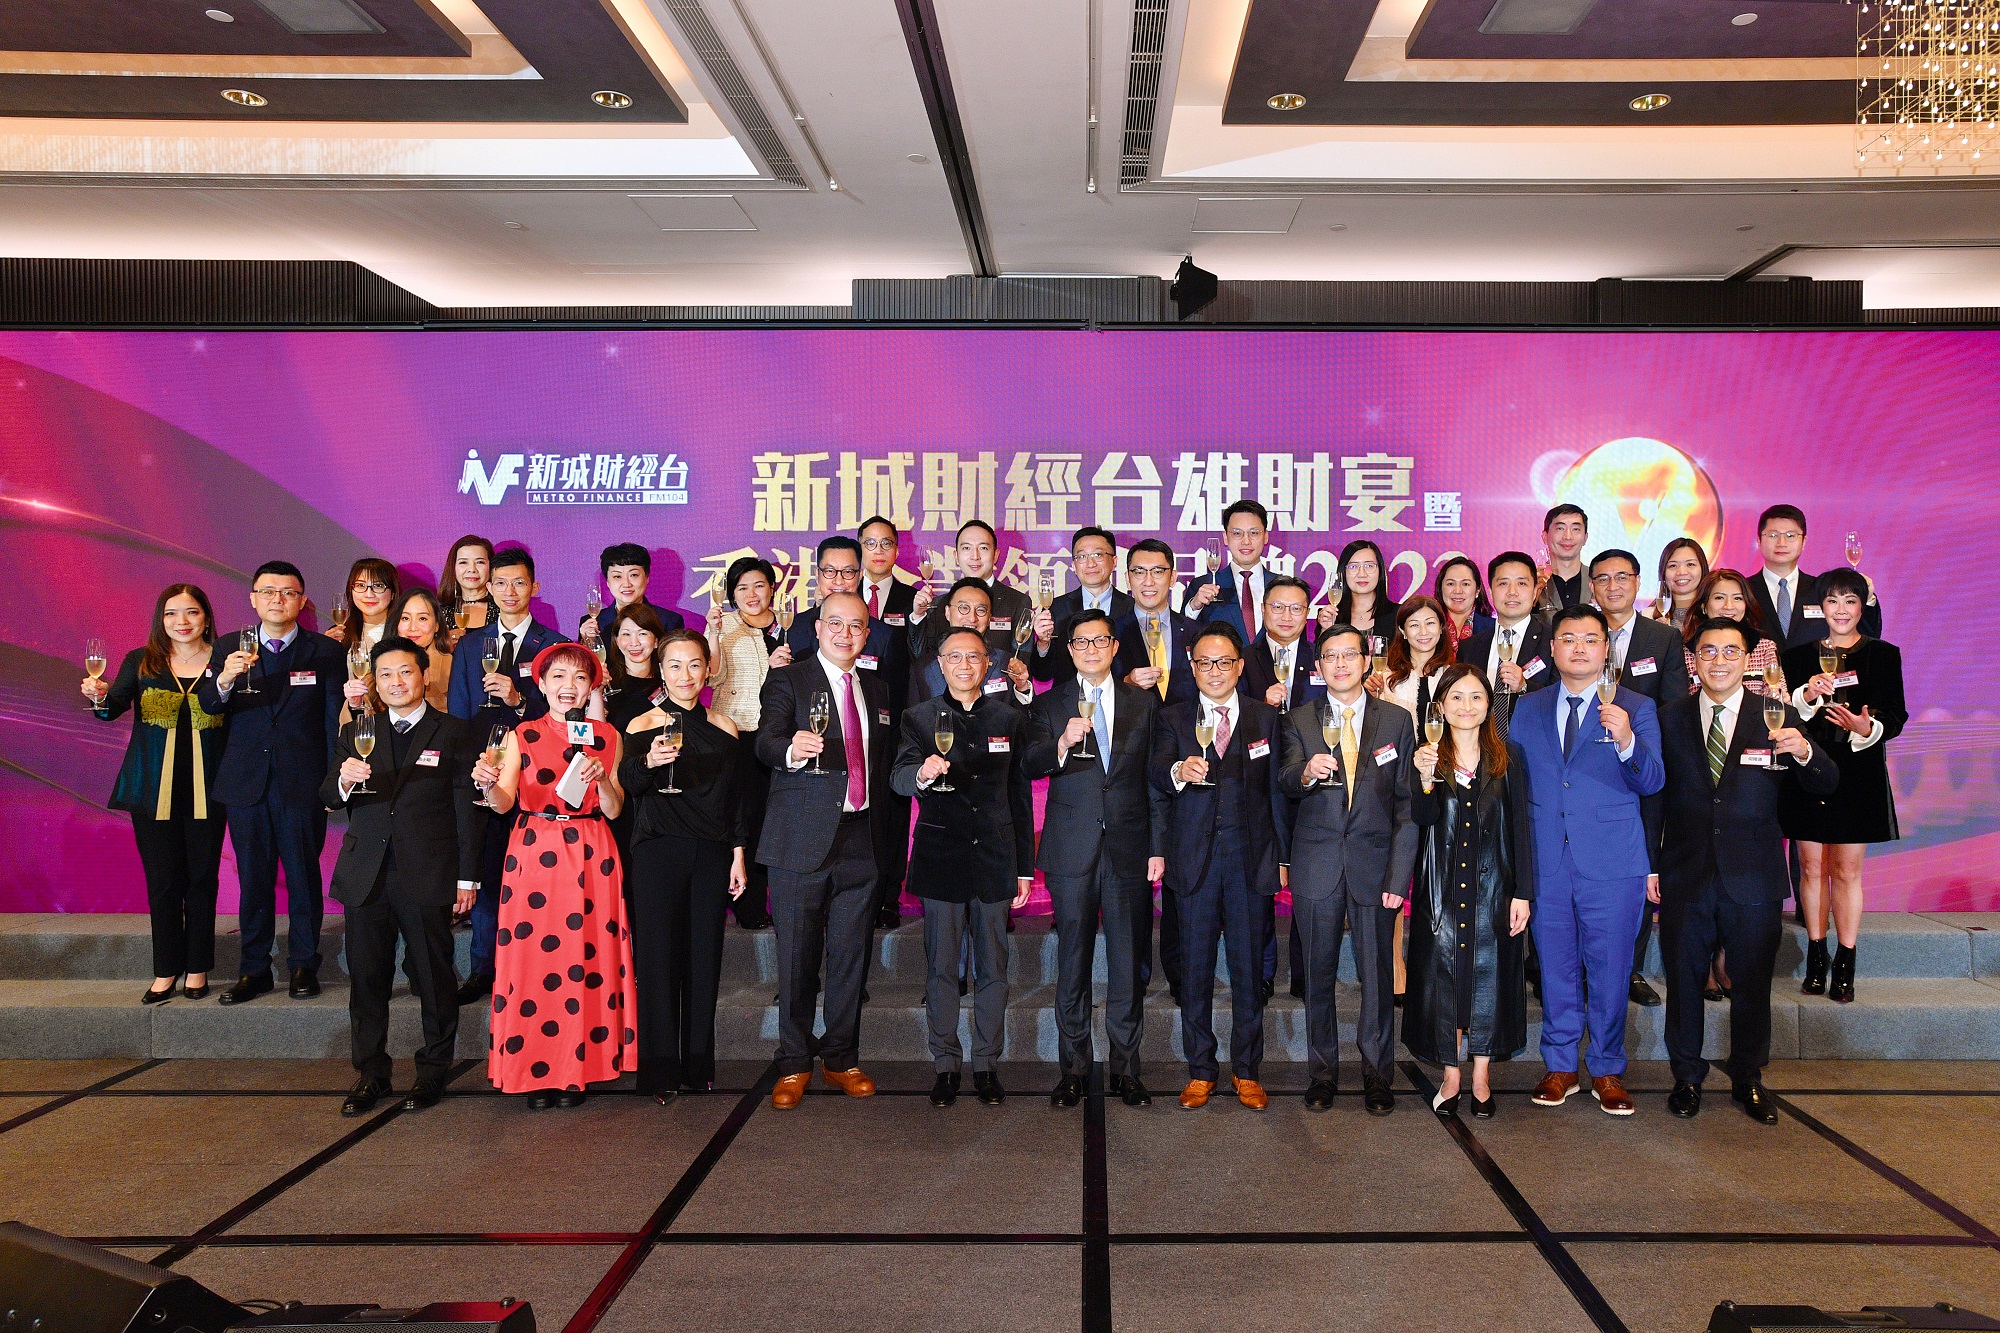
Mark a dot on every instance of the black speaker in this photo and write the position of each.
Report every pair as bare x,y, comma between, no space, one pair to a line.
55,1285
443,1317
1730,1317
1193,289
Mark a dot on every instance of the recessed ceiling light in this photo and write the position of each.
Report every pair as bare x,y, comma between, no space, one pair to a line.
243,97
917,157
220,15
1338,226
1744,20
515,226
611,100
1649,101
1748,226
1285,101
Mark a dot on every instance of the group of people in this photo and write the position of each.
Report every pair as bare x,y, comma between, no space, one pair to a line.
1520,761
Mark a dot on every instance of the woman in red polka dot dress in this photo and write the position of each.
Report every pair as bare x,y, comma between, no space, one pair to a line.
562,984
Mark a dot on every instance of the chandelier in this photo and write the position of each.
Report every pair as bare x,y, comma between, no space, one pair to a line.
1927,100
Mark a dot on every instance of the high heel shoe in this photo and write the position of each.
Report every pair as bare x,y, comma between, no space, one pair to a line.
1446,1107
157,996
1840,989
1483,1110
195,992
1815,982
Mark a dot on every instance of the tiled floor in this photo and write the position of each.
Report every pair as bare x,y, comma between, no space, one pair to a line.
1878,1186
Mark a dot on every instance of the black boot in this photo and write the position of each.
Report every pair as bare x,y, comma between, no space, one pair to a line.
1815,982
1841,988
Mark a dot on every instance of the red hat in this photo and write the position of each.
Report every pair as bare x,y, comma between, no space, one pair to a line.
548,654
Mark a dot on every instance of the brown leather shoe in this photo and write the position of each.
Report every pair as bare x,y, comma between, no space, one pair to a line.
1611,1095
1195,1095
1251,1094
789,1090
850,1081
1557,1086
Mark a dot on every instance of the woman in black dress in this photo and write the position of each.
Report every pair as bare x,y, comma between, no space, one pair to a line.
164,782
1475,887
1854,721
687,863
633,686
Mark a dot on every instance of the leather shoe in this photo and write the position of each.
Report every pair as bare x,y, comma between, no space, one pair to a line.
425,1094
788,1091
1251,1093
1132,1091
570,1099
477,985
1609,1089
1557,1086
889,917
760,921
1643,994
1756,1103
945,1090
987,1085
195,992
1298,990
541,1101
152,996
1195,1095
246,989
1484,1110
1069,1092
1319,1097
305,983
1445,1107
850,1081
1270,989
362,1097
1376,1097
1685,1100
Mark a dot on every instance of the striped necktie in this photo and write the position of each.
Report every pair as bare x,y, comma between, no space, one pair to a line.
1718,745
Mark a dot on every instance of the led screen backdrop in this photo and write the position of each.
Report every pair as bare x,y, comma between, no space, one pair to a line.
129,460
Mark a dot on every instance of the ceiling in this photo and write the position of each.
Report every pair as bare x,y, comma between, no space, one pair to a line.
776,150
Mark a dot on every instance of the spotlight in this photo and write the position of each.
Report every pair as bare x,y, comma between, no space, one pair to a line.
244,97
611,100
1285,101
1193,289
1649,102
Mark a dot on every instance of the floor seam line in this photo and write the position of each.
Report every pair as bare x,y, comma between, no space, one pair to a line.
1963,1221
78,1094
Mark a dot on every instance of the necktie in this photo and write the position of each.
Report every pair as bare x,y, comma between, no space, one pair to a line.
1718,746
1249,609
874,601
507,652
1503,700
1784,606
1221,731
1350,749
274,646
1156,653
1100,728
850,734
1575,723
404,726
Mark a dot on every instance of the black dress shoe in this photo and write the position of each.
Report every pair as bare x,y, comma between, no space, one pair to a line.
1319,1097
196,992
1714,994
570,1100
665,1096
425,1094
988,1087
1685,1100
1270,989
1840,985
305,983
1756,1103
760,921
246,989
945,1090
1483,1110
1377,1098
1445,1108
1298,990
1644,995
476,986
1132,1091
362,1097
1816,965
1069,1091
889,918
152,996
541,1101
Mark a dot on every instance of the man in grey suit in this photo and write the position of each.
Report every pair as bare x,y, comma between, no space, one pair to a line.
819,845
1100,851
1353,850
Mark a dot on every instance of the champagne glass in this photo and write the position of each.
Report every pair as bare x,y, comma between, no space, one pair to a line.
1086,708
1045,590
1830,662
595,642
593,601
818,714
1854,550
1330,719
1774,681
942,737
247,642
496,750
1378,661
93,659
1506,656
925,569
340,619
1204,734
785,614
1433,733
364,744
670,732
1024,630
1774,714
1607,692
489,654
357,662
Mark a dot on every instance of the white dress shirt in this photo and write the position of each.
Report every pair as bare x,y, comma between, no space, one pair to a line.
1732,709
1519,629
1621,642
1589,696
1790,583
1284,661
1233,706
883,587
833,674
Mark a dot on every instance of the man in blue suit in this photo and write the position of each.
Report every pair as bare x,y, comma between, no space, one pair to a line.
1234,594
503,697
1588,766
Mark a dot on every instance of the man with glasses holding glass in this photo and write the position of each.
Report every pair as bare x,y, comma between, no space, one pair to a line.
1093,555
1788,598
283,699
1101,851
892,603
968,604
977,550
1589,766
1215,791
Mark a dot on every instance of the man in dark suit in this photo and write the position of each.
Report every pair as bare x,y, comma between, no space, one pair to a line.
1354,847
412,852
968,604
499,698
1590,764
1723,880
1788,598
820,844
1279,667
891,602
1225,851
977,549
1100,853
1093,553
628,569
1514,654
283,702
837,569
1234,594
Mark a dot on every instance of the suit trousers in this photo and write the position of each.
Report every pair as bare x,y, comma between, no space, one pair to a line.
1322,921
372,931
267,835
486,907
1125,905
755,904
1691,929
827,913
1223,909
948,929
1583,931
1170,943
678,889
182,859
896,810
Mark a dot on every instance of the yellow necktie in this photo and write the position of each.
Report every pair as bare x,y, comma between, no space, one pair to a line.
1350,752
1156,652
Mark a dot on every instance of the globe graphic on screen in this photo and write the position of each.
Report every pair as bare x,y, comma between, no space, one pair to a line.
1640,494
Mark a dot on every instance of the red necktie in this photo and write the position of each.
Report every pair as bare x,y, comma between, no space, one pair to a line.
1249,610
854,743
1222,727
874,601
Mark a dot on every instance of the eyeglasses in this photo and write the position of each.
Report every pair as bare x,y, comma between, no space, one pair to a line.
1709,652
1215,663
1617,580
829,572
879,544
1090,557
1583,640
371,587
1782,535
1149,571
1093,643
962,658
1342,656
277,594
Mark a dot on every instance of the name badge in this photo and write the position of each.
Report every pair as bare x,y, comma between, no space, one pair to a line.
429,758
1645,666
525,672
999,745
1847,678
580,733
657,697
865,662
1314,677
881,717
1533,668
305,678
1000,622
1258,749
997,685
1756,759
898,619
1813,612
1385,755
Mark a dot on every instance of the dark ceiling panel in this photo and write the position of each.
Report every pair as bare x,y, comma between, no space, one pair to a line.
1306,46
183,28
1645,30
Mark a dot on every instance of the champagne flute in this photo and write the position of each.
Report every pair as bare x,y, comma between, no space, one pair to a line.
818,714
925,569
357,662
1854,550
1506,656
496,750
1829,662
247,642
942,736
364,744
1330,720
670,732
785,614
489,654
1774,714
340,619
1024,629
93,660
593,601
1204,735
1086,708
1433,733
1774,680
1378,661
1607,692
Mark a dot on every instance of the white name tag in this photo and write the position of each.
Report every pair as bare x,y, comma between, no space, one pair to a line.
1813,612
898,619
1847,678
657,697
995,686
1756,759
1385,755
579,733
305,678
1258,749
1645,666
999,745
1000,622
526,671
881,717
865,662
429,758
1533,669
1314,676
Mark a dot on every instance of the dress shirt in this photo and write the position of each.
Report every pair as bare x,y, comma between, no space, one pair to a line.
1284,661
1258,574
1233,706
1107,706
1790,583
1621,642
1519,629
882,588
414,716
833,675
1095,601
1589,696
284,642
1732,709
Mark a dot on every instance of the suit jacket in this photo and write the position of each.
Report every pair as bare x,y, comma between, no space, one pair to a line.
1589,801
1180,674
878,656
469,701
1369,844
1657,642
1533,647
926,677
1727,832
895,618
1227,606
417,821
280,736
977,840
669,620
1092,812
1804,628
1057,664
805,807
1189,816
1260,671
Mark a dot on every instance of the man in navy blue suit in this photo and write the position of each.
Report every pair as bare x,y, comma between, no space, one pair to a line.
1589,764
1093,553
502,697
838,570
1234,594
283,702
